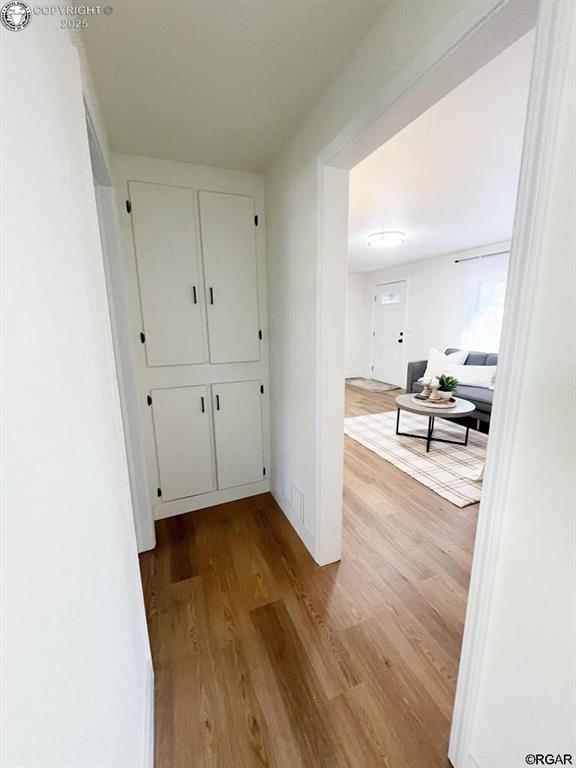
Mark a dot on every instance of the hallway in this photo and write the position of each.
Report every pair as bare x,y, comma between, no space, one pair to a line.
263,658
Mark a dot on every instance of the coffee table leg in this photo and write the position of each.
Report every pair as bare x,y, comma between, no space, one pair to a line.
430,430
467,433
397,420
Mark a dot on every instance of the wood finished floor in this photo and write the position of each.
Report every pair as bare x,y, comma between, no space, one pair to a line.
264,659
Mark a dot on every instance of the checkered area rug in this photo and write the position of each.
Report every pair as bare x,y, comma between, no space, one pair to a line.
448,470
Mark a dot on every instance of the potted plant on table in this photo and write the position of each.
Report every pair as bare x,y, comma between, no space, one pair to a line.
446,386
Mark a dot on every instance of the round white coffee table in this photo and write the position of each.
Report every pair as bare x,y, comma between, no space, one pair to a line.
460,408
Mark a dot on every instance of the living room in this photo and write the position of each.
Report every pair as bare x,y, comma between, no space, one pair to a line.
431,221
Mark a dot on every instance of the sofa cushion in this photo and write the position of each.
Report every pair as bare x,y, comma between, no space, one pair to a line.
480,396
477,358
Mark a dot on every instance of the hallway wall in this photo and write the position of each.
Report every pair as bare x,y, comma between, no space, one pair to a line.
78,688
292,198
525,697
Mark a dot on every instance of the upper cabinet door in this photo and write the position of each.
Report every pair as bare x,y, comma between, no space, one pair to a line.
168,273
229,252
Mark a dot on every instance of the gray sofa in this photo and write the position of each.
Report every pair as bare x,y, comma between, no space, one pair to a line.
480,396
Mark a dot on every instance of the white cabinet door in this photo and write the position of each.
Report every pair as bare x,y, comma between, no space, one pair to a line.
238,429
184,443
229,252
168,273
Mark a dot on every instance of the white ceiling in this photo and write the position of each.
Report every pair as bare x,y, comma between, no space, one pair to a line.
218,82
448,179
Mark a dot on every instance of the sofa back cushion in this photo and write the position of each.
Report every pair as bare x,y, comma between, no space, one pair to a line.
477,358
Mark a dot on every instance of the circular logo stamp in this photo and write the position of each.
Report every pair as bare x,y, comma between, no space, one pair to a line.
15,16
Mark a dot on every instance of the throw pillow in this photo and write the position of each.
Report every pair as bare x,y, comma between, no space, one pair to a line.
438,362
474,375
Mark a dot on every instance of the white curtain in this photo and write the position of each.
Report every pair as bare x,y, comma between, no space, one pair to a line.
484,301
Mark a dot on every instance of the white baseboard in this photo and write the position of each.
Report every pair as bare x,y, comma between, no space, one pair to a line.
304,534
148,745
191,504
466,761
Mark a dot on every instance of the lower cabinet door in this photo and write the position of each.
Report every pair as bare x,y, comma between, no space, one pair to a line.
184,444
238,430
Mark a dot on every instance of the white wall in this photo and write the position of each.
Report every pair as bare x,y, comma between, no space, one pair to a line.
357,327
292,200
523,699
77,679
437,307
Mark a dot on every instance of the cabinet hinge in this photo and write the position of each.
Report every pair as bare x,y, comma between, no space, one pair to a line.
264,471
128,206
262,388
142,337
260,335
149,400
159,492
255,221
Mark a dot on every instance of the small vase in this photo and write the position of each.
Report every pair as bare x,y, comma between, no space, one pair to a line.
444,395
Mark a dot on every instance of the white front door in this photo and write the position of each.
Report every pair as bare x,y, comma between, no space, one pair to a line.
389,337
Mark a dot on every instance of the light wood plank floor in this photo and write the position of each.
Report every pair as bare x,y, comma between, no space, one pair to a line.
264,659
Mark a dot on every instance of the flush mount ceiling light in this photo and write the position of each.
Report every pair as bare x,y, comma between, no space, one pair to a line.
386,239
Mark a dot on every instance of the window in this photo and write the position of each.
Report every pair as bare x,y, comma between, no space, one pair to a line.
484,302
390,297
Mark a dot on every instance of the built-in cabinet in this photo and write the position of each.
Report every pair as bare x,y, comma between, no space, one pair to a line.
184,441
198,338
208,438
173,291
238,430
229,251
169,273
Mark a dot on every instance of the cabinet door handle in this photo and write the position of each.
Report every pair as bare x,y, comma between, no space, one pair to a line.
202,404
194,298
211,296
217,402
